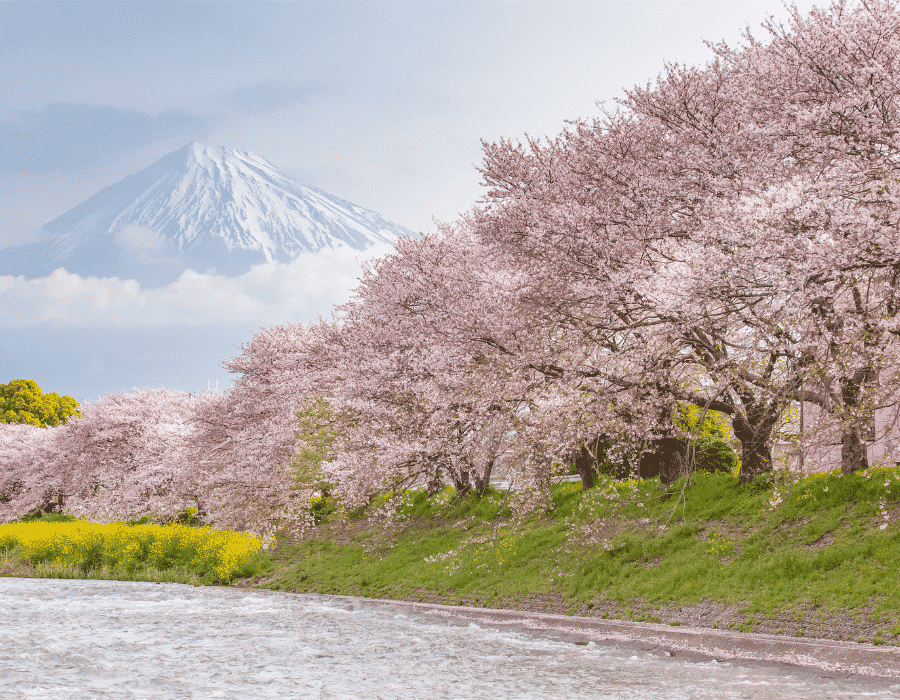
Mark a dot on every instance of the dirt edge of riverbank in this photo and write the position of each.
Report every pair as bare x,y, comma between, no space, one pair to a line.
835,658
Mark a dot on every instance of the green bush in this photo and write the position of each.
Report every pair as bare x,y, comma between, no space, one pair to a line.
323,507
712,455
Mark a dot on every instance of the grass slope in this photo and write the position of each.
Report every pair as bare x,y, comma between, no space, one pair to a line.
815,557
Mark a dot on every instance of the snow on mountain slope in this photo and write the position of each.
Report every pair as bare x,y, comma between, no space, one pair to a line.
200,207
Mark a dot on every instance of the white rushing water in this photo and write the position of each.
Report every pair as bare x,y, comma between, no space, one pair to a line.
75,639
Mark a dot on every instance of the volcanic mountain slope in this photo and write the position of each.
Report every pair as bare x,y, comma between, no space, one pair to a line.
200,207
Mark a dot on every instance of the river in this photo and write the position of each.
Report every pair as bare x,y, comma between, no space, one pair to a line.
80,639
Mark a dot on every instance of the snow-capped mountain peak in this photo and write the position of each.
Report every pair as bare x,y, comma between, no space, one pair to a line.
203,207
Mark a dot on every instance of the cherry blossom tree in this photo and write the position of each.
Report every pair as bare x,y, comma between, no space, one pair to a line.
116,461
243,442
427,402
456,366
30,481
825,105
685,224
120,458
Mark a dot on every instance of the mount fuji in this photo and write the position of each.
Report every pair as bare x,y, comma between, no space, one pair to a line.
207,208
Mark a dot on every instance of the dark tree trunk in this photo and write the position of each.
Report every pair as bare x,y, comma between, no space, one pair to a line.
435,482
53,503
853,444
587,461
592,459
756,459
482,482
435,486
587,470
666,460
853,451
756,455
466,478
462,483
672,459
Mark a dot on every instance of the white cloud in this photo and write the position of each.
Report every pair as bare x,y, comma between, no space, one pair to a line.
269,294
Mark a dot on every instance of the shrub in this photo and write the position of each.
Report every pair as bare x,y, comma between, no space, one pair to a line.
713,455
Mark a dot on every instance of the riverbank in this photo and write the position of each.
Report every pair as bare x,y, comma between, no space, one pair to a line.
837,659
812,559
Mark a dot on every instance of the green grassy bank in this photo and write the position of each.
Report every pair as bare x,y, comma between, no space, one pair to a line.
816,558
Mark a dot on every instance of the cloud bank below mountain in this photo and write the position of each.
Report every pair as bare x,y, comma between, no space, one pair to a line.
272,293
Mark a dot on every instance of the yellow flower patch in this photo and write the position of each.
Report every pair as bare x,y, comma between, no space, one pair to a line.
92,545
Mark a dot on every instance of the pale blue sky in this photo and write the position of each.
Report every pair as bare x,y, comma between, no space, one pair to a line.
382,104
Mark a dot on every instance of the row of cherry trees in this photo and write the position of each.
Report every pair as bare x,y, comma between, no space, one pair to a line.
733,231
728,239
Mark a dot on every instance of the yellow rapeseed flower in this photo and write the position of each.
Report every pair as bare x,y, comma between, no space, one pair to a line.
90,545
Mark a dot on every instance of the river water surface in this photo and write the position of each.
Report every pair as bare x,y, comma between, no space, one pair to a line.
74,639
